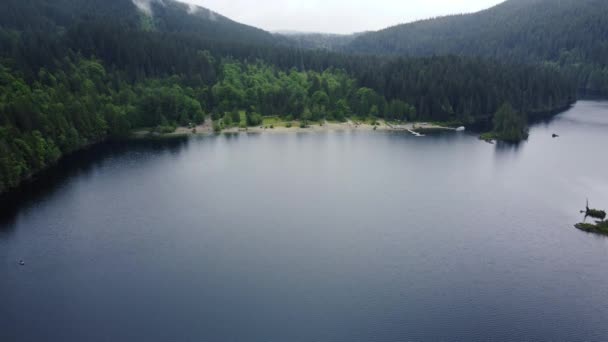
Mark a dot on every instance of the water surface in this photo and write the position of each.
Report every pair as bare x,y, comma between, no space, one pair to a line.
351,236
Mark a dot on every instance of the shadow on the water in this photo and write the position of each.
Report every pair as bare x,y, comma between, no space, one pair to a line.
508,147
231,135
507,151
77,164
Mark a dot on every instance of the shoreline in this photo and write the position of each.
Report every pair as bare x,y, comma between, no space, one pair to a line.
414,128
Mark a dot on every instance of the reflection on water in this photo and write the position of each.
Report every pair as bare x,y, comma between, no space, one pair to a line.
79,164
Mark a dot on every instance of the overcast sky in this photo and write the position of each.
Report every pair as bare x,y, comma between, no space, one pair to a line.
337,16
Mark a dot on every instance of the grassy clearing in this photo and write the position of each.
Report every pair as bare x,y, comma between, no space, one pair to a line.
275,121
243,116
449,124
489,137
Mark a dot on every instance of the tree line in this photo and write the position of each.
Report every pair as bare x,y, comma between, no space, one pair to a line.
80,102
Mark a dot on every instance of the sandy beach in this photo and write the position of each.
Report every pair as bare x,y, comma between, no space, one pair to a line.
382,126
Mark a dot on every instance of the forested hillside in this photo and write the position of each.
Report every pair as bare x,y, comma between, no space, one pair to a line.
149,15
76,72
572,34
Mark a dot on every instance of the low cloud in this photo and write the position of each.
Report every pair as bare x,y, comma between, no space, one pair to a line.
193,9
146,5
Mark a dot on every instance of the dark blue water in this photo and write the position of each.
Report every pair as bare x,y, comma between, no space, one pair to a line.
314,237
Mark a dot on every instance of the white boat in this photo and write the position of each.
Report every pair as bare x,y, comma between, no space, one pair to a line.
461,129
415,133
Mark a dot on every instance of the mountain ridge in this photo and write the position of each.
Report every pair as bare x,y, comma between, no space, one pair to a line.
164,15
573,34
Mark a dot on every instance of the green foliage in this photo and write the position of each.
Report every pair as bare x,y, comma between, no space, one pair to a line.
235,116
342,110
166,100
595,213
253,119
77,105
488,136
217,127
600,227
510,125
40,122
227,120
293,95
399,110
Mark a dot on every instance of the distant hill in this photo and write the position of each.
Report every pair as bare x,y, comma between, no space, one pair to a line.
161,15
570,33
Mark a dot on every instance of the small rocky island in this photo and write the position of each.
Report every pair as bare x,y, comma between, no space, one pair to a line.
599,227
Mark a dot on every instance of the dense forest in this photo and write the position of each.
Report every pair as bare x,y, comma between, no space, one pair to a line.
569,34
76,72
158,15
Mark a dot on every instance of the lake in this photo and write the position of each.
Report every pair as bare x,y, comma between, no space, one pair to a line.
339,236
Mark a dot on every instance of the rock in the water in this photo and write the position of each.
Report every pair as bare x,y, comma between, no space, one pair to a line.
21,262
